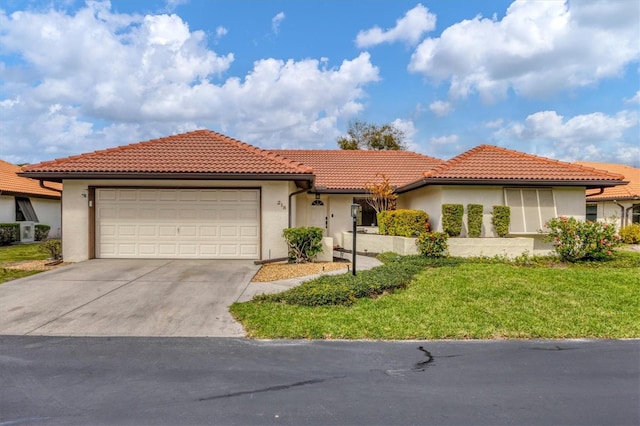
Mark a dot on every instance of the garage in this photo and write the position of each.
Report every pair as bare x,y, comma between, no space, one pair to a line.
177,223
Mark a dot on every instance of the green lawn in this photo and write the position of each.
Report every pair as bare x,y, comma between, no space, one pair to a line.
17,253
474,300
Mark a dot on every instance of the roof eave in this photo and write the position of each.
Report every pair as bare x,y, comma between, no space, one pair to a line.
588,184
29,195
60,176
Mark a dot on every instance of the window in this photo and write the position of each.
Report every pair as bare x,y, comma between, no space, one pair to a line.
592,212
530,209
24,210
367,216
635,214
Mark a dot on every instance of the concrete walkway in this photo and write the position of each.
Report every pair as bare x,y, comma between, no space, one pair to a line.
255,288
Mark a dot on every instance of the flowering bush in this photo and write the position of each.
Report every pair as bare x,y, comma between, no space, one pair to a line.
574,240
433,244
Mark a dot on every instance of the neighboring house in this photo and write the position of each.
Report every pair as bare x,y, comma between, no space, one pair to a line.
621,202
205,195
23,200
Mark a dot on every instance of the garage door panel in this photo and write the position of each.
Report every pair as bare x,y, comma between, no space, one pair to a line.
175,223
248,231
168,195
188,231
125,231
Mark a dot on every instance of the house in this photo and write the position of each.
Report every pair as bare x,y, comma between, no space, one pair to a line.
25,201
205,195
621,202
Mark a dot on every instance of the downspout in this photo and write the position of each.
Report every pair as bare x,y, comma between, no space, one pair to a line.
622,221
627,215
42,185
300,191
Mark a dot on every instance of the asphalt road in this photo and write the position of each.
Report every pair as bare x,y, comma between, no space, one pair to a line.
175,381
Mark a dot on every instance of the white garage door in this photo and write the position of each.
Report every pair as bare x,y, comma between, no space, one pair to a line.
177,223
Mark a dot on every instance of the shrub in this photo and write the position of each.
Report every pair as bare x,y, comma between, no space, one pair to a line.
631,234
53,248
345,289
41,232
575,240
432,244
500,219
474,220
403,222
452,219
304,243
9,233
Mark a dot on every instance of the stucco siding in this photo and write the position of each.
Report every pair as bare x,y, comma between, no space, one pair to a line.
428,199
75,217
608,211
337,210
486,196
49,213
7,209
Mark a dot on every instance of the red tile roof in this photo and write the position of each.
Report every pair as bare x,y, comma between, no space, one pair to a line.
630,191
346,169
13,184
486,163
197,152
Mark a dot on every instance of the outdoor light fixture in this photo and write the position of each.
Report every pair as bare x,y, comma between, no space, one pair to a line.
355,209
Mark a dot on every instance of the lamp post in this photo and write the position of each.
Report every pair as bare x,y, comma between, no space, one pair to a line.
355,209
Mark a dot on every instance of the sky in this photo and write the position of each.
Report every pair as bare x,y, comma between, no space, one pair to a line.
551,78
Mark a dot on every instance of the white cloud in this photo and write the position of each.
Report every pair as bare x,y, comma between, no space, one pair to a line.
444,140
538,48
410,29
635,99
117,78
441,108
276,21
171,5
595,136
221,32
494,124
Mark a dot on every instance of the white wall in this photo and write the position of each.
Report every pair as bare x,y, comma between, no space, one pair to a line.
428,199
570,202
49,213
338,213
608,211
47,210
75,217
488,196
7,209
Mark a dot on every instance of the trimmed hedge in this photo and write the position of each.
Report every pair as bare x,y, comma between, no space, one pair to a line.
9,233
41,232
345,289
403,222
304,243
630,234
474,220
501,219
452,219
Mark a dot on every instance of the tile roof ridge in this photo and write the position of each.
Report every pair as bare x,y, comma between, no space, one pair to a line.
453,161
299,167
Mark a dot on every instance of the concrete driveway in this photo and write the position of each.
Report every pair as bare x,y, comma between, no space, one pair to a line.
121,297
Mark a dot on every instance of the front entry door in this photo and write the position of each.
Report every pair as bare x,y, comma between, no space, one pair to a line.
318,215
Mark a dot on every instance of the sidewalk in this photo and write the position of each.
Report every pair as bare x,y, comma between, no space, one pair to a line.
254,288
